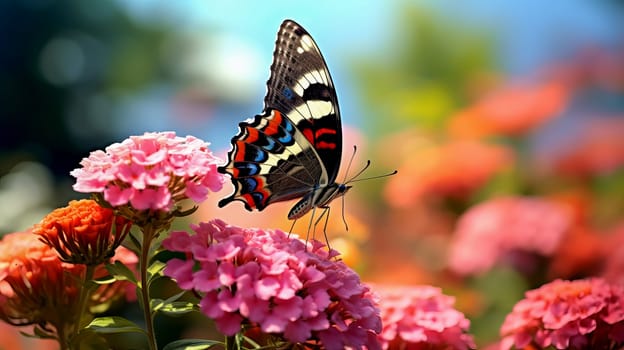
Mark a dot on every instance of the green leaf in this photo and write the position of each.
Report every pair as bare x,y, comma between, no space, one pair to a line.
113,324
175,308
121,272
192,344
133,243
154,271
105,280
175,297
172,306
89,338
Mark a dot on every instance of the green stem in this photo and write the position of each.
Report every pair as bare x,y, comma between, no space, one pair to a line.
85,294
148,235
230,343
67,331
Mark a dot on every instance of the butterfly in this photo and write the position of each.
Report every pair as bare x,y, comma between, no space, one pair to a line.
293,148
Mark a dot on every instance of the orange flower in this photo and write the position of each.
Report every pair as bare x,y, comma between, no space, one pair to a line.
35,286
83,232
452,170
512,110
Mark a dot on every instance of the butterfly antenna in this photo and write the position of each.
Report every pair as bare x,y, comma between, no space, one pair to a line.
353,179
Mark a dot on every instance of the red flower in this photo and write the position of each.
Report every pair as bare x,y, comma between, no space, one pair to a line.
83,232
419,318
581,314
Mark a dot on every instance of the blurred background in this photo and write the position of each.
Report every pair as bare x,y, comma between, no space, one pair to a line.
505,121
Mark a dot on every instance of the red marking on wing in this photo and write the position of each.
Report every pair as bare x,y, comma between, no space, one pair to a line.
249,199
313,136
260,189
323,144
308,135
239,156
322,131
273,125
252,135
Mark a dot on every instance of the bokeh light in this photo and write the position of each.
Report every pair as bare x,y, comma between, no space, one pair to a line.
471,102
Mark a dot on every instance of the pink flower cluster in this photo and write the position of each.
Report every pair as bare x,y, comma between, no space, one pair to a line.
266,279
151,171
581,314
421,317
490,231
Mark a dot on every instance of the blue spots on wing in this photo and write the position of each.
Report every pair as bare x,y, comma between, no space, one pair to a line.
270,144
287,137
255,154
288,126
247,169
258,199
249,184
288,93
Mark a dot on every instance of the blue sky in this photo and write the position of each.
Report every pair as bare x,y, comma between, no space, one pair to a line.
530,33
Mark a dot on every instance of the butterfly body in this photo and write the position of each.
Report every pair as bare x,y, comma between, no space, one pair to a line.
293,148
318,198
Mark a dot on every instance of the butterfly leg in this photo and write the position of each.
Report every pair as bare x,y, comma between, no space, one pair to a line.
310,225
292,227
326,210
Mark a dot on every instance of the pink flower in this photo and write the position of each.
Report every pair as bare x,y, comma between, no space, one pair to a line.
421,317
581,314
153,171
497,228
265,279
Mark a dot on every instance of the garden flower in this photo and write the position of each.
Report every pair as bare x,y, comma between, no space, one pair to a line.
253,278
512,110
494,229
449,171
419,318
580,314
83,232
613,269
595,147
37,288
151,172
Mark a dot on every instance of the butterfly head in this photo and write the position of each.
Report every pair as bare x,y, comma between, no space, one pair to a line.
342,189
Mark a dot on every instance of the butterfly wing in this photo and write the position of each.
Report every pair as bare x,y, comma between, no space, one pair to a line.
295,145
270,161
301,87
